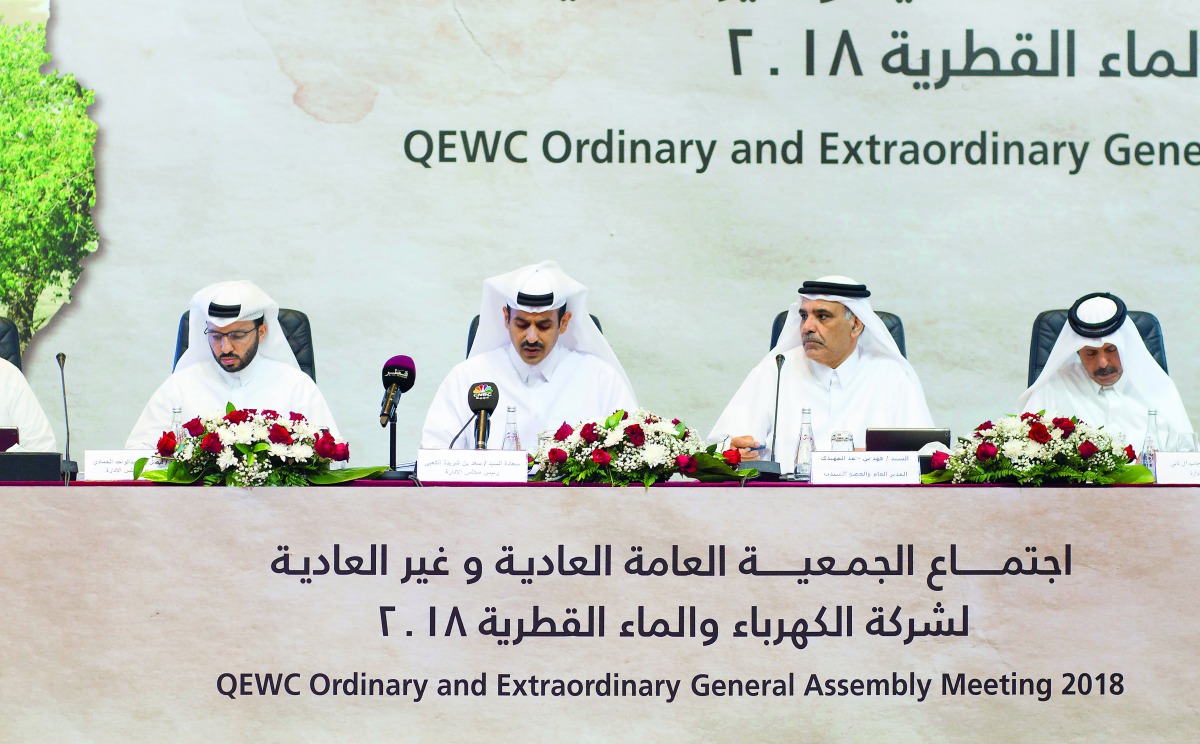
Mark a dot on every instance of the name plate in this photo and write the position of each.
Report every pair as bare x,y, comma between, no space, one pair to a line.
473,466
112,465
1177,468
859,468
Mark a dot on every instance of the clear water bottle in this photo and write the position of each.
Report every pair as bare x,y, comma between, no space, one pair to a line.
804,448
177,422
512,439
1150,445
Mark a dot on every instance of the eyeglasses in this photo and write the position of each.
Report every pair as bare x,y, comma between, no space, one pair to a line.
216,337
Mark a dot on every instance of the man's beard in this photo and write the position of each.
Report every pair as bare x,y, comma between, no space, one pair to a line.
245,358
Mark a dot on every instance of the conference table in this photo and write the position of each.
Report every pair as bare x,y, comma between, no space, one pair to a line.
378,610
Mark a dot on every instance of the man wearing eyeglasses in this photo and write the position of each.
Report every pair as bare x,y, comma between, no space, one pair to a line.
236,354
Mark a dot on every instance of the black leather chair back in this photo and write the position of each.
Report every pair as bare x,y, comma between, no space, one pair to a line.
1049,324
893,323
475,328
10,342
296,330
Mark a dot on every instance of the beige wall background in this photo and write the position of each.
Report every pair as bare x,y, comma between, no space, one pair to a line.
265,139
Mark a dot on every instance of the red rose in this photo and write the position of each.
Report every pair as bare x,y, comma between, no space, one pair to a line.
1087,449
1129,453
675,422
167,443
636,436
237,417
985,425
600,457
194,427
296,416
556,456
986,451
279,434
1031,416
652,419
341,452
686,464
588,432
1065,425
563,432
211,443
733,457
324,445
1039,433
269,414
940,460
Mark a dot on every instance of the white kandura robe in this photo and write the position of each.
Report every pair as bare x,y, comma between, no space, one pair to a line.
865,391
568,386
19,407
1121,408
203,389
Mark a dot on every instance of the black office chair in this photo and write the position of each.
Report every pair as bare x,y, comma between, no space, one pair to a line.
296,330
893,323
10,342
1049,324
475,328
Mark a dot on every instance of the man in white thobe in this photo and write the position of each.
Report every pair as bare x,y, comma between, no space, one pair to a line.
19,407
538,344
1101,372
237,354
835,357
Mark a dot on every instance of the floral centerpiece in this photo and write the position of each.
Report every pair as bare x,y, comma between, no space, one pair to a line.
247,447
1029,450
637,447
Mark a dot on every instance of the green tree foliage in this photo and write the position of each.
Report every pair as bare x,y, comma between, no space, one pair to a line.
47,176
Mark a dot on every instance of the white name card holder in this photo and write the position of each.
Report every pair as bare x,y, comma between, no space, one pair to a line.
865,468
473,466
114,465
1177,468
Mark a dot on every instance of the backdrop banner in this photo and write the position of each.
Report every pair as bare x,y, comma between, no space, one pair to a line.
690,161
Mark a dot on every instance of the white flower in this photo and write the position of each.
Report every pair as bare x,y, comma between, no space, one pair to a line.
278,450
655,454
1012,449
226,459
300,451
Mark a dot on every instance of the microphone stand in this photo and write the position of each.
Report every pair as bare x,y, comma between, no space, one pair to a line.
769,470
392,473
69,469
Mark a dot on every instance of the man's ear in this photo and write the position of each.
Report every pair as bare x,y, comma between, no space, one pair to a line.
857,328
505,311
562,323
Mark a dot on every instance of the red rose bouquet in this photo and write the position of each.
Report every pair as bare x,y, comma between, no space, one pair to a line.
1030,450
625,448
247,447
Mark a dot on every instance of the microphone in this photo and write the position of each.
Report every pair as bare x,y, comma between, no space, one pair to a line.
68,469
399,374
482,398
775,423
768,470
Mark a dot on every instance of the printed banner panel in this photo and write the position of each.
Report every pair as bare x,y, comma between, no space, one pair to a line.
527,613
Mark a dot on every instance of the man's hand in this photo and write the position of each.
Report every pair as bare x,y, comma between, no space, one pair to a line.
748,446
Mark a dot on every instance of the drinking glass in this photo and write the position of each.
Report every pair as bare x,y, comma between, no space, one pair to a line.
842,441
